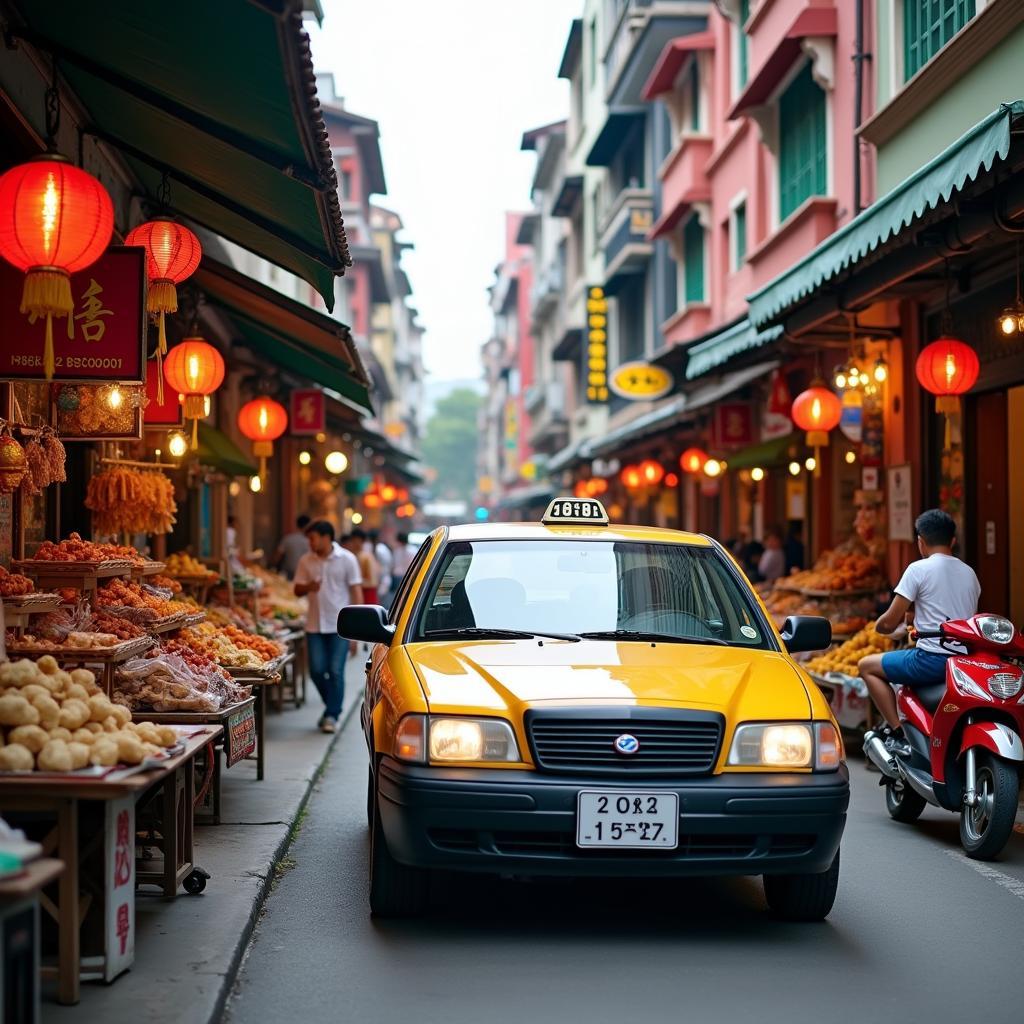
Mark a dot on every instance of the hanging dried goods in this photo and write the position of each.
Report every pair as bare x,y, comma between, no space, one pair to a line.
12,464
127,500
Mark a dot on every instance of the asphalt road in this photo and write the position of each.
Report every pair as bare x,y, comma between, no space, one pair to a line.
918,933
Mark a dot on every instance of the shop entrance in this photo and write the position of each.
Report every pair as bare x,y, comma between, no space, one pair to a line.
988,523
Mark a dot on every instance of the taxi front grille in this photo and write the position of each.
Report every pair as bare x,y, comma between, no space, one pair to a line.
679,743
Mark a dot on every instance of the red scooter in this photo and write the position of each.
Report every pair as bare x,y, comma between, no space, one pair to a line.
964,735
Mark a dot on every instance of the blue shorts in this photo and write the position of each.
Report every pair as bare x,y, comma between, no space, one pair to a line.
914,667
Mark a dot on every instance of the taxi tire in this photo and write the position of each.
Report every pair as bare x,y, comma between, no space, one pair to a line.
803,897
396,890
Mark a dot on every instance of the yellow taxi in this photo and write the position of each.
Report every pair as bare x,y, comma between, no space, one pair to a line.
570,698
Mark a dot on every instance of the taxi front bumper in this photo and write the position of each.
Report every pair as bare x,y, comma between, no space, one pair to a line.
524,823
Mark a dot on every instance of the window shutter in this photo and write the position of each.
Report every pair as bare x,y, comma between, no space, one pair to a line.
739,227
693,260
927,26
803,171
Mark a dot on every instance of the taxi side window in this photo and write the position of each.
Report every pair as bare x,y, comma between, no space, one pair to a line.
398,601
449,607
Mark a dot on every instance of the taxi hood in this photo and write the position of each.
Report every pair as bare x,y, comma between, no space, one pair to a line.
505,677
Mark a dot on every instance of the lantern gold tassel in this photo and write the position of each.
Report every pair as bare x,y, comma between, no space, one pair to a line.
160,368
47,292
161,299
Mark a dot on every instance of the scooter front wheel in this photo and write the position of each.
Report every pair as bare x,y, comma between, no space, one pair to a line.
986,827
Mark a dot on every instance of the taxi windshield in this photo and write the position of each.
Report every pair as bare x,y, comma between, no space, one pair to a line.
600,589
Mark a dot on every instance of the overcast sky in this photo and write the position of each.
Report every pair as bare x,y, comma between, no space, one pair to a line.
454,84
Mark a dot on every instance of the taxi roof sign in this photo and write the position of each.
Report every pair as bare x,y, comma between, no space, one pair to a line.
575,512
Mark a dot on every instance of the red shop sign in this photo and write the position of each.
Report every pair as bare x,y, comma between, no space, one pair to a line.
170,413
733,425
108,326
308,412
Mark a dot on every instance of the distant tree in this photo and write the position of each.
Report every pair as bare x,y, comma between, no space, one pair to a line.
450,441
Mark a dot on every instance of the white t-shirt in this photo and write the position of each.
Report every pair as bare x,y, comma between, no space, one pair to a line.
940,587
337,574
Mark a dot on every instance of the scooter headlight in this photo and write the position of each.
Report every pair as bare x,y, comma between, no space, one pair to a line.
996,629
1006,684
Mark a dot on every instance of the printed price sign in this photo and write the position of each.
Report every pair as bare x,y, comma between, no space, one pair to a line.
103,339
240,735
119,888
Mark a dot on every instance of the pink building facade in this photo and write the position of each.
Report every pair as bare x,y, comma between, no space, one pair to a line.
762,108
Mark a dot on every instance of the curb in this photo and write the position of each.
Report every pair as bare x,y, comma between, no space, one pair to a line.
245,936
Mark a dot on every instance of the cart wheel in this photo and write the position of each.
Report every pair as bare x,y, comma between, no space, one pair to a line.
195,883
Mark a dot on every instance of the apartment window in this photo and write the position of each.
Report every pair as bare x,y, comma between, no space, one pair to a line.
693,86
738,235
630,319
743,53
595,215
927,26
592,70
693,261
803,143
345,183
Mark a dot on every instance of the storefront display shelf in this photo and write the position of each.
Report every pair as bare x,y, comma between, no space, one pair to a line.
78,575
147,568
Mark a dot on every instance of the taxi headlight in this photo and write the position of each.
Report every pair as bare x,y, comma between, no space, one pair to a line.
472,739
996,629
773,745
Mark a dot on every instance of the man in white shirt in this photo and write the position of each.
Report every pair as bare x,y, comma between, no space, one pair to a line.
939,587
401,557
329,577
386,562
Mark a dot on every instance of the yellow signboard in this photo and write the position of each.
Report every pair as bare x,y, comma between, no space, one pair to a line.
641,382
597,349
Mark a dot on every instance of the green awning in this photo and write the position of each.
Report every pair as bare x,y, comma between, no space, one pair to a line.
221,96
721,347
219,452
934,184
768,453
307,342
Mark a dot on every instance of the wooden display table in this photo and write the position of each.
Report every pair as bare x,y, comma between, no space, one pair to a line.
295,671
239,726
19,937
104,658
93,833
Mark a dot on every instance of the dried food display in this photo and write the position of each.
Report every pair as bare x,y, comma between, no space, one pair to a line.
45,460
127,594
214,644
116,624
13,584
164,681
183,564
162,582
57,721
127,500
75,549
845,658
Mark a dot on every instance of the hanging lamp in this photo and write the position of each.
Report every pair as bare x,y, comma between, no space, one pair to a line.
817,411
195,369
262,421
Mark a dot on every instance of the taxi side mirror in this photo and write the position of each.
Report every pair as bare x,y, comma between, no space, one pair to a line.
806,633
366,622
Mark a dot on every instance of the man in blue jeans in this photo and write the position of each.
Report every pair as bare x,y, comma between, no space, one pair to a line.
940,587
328,576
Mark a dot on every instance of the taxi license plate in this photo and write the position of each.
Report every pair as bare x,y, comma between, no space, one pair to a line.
627,820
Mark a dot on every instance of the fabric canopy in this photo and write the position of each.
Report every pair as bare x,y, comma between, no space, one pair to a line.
219,452
768,453
720,348
220,96
934,184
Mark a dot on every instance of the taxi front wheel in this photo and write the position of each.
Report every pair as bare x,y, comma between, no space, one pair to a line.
803,897
396,890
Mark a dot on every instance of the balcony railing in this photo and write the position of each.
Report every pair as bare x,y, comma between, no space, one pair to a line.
547,288
627,223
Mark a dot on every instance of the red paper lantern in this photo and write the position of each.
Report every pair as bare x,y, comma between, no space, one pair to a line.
262,421
947,368
651,472
671,480
194,369
172,255
55,219
817,410
630,476
388,493
692,460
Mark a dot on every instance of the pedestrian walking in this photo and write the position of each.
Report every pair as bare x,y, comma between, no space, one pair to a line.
386,563
292,547
356,543
772,563
329,577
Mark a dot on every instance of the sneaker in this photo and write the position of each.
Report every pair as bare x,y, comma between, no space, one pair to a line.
328,724
895,741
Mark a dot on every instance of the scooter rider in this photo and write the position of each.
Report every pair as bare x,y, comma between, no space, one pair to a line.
939,586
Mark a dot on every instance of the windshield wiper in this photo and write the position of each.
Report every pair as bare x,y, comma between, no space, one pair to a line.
642,635
487,632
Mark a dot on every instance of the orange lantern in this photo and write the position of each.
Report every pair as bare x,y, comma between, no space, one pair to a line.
651,472
671,480
372,500
817,411
55,219
631,477
172,255
388,493
194,369
262,421
947,368
692,460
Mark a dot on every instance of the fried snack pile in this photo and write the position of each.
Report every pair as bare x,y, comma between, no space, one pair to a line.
74,549
120,593
116,624
57,721
126,500
183,564
212,643
163,681
846,657
13,584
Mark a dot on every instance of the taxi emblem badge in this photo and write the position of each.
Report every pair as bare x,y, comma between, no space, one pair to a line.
627,744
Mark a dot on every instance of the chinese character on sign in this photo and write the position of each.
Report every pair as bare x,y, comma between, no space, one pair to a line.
308,411
93,327
122,852
733,424
123,926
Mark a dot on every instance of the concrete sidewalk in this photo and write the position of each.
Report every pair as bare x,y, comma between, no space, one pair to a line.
187,950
